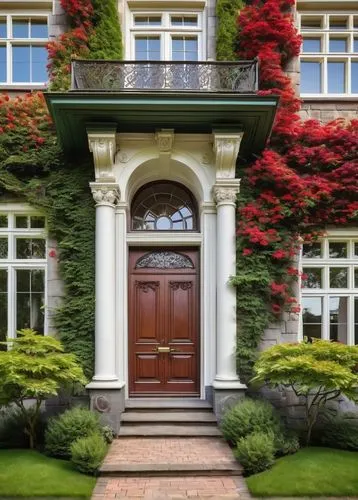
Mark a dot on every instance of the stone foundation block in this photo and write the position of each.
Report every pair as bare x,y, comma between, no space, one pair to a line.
224,399
109,404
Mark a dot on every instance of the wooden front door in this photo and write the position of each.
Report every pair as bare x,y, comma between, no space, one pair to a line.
163,323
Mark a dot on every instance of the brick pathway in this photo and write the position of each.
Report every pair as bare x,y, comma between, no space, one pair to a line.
169,453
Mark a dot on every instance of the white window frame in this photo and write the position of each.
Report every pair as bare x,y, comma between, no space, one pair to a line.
325,292
325,56
9,42
166,31
11,264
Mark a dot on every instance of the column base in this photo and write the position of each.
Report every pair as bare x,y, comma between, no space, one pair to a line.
226,393
108,400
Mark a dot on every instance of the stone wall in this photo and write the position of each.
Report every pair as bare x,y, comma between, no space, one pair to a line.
58,21
325,111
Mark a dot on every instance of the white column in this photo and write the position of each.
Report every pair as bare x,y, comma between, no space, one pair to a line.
225,197
106,196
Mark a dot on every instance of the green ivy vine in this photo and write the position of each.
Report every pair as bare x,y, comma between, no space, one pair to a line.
226,35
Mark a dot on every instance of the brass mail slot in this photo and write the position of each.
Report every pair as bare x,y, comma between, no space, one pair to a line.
163,349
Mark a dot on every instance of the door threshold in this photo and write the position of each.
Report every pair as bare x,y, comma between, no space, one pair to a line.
167,403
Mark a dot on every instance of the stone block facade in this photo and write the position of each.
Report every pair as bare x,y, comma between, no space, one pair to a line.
325,111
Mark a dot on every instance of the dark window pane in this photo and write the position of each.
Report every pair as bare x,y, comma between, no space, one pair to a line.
27,248
184,21
21,63
30,299
312,277
39,28
2,64
355,249
37,222
39,63
338,45
311,23
147,49
312,251
163,206
3,307
3,248
337,250
21,221
354,75
311,45
336,77
3,220
356,277
338,24
3,33
20,28
338,319
312,309
355,45
338,277
147,20
356,320
310,77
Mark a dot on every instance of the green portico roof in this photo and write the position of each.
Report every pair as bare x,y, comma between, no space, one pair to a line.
138,111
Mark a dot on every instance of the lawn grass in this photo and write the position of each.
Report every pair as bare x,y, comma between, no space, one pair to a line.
27,473
310,472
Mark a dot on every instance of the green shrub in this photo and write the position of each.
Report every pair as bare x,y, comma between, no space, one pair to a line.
255,452
62,431
286,444
247,417
87,453
340,433
227,12
107,433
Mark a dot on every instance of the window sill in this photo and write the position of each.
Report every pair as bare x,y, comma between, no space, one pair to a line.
329,97
23,87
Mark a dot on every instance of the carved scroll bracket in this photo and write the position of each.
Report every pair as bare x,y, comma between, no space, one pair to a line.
102,143
226,148
105,193
165,141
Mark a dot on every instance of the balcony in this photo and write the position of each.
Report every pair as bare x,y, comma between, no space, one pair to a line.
239,77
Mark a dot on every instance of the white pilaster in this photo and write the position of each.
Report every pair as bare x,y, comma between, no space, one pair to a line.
106,197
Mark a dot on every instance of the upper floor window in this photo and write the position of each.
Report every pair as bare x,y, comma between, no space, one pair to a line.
22,272
164,206
167,36
330,290
23,54
329,55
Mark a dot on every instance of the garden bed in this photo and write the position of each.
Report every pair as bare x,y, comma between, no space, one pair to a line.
27,473
321,472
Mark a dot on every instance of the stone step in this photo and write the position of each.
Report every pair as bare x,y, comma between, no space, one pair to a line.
155,470
175,430
160,404
155,418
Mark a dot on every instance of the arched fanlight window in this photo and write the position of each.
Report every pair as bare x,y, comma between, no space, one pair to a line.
164,206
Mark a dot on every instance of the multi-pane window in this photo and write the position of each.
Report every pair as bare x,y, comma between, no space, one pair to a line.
329,55
22,273
166,36
23,54
330,290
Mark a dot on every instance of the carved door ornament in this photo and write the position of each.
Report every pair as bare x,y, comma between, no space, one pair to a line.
145,286
182,285
164,260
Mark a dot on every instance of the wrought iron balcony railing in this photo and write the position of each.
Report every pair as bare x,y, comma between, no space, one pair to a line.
114,76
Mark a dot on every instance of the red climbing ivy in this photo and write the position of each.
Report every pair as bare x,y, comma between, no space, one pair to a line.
306,178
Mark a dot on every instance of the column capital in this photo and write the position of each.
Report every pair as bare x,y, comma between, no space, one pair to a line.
225,193
102,143
105,193
226,148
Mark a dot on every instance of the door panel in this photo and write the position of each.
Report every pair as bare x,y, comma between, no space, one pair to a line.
163,323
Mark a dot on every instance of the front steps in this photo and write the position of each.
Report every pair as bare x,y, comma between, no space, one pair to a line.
188,418
169,438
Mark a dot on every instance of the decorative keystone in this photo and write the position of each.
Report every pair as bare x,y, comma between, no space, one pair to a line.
165,140
102,143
